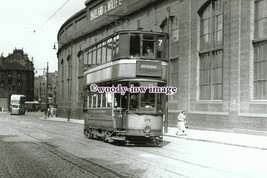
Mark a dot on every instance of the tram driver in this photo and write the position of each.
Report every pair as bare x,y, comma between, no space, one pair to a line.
149,52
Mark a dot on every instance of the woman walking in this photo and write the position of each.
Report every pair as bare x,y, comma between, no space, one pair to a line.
181,130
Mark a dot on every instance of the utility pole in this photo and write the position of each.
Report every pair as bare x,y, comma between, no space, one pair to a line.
46,93
166,119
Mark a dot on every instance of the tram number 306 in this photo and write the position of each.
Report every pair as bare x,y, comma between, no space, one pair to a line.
147,119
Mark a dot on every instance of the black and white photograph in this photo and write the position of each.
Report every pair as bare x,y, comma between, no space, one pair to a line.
133,89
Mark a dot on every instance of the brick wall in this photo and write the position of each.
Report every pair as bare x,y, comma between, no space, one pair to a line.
237,110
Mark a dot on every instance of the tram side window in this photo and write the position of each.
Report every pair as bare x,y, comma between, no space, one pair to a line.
94,56
124,45
104,100
90,58
99,100
104,52
134,45
109,99
98,58
86,61
86,101
109,50
148,45
116,47
94,99
116,100
90,100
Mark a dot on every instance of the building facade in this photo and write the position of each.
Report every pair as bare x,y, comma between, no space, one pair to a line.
41,88
217,56
17,74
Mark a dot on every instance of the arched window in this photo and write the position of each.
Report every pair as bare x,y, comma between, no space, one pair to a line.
260,50
69,79
80,75
80,63
211,51
62,68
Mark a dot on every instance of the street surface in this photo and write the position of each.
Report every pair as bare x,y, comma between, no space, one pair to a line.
33,147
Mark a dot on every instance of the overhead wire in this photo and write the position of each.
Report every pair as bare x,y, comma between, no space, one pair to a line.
41,26
52,16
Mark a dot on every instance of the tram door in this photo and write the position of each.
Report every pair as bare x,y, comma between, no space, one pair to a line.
119,111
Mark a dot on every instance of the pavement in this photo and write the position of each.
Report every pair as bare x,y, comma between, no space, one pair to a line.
256,141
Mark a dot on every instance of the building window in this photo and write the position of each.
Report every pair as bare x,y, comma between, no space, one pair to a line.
260,19
260,71
260,51
211,51
174,37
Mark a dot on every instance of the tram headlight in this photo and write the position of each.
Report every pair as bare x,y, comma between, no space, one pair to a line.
147,129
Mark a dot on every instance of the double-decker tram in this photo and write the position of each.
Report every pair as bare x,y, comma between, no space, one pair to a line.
125,93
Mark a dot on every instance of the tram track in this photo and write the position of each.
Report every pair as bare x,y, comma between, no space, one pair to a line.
114,152
81,163
86,164
123,155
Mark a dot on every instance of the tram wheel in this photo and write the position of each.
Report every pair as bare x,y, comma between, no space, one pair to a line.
158,141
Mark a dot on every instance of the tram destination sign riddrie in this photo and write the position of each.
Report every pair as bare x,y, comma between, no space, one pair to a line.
147,68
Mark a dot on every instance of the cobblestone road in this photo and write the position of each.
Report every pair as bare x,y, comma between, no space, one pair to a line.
25,154
34,147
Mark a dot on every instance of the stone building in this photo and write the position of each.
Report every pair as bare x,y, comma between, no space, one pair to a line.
217,56
3,100
17,74
41,88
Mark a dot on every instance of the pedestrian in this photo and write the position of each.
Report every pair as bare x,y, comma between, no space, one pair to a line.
48,111
55,111
52,111
181,130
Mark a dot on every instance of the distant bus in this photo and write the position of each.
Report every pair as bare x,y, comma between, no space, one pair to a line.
32,106
17,104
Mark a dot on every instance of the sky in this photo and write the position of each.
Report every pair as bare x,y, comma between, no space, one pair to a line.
33,25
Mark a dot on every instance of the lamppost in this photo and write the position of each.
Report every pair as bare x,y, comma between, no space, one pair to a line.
55,46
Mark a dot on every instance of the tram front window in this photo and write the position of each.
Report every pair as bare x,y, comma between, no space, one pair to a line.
134,101
134,45
148,101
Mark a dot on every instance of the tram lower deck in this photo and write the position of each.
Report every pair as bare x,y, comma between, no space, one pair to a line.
132,117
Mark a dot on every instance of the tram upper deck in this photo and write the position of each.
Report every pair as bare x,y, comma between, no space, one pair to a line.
127,54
